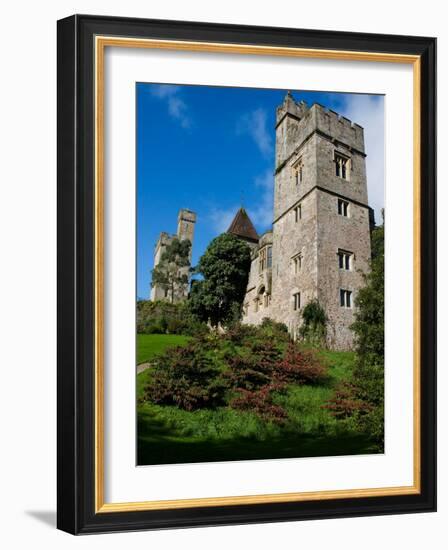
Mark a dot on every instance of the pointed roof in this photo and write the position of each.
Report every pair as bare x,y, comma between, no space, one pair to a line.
242,227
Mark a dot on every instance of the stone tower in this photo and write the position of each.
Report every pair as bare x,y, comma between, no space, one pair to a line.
320,240
186,221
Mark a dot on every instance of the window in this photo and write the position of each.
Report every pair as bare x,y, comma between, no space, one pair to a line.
345,298
298,171
298,212
297,263
343,208
267,300
345,260
296,297
265,258
342,166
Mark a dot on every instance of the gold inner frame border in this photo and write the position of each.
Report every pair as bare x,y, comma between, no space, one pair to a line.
100,44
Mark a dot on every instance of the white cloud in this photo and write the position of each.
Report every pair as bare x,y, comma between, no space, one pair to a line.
222,218
368,111
254,124
177,108
261,214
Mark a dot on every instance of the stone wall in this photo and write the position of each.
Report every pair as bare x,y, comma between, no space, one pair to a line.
313,136
334,233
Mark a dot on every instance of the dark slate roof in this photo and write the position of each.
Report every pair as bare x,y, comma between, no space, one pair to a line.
242,227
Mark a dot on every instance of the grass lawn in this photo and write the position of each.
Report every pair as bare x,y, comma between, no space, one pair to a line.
150,345
168,434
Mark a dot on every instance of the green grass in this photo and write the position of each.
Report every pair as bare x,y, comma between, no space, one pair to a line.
151,345
171,435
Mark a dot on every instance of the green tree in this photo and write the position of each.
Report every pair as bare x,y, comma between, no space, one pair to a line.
225,269
172,272
369,341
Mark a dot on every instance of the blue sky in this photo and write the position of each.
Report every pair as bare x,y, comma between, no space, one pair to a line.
211,149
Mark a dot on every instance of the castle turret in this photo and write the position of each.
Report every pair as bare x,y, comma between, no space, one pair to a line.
321,227
186,220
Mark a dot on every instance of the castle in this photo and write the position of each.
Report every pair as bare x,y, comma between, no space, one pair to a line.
319,244
186,221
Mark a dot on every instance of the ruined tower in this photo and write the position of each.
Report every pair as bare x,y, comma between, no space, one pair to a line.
186,220
320,240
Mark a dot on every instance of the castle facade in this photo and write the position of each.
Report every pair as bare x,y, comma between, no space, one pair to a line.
319,245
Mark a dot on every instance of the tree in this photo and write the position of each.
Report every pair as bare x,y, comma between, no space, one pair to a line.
225,269
172,272
369,340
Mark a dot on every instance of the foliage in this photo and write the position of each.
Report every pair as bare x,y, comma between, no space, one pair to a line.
161,317
187,377
261,403
224,266
275,329
313,328
243,367
170,434
345,403
256,367
171,273
369,319
300,366
363,400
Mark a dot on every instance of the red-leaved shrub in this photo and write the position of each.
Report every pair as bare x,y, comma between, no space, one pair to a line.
261,403
345,403
300,366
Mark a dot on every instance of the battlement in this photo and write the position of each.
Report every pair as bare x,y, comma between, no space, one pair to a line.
338,127
186,215
290,107
164,239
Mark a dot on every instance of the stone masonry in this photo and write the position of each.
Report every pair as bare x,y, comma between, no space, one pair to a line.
319,245
186,221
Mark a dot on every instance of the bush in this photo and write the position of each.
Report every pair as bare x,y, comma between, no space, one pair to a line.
187,377
313,329
256,367
162,317
261,403
274,330
345,403
158,326
239,334
300,366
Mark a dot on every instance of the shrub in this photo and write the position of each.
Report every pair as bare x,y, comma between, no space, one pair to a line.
239,334
158,326
313,329
345,402
175,326
261,403
300,366
275,330
256,367
162,317
187,377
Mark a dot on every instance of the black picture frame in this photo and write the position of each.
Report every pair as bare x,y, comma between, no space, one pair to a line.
76,254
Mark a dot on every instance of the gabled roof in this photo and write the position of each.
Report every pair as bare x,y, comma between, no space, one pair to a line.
242,227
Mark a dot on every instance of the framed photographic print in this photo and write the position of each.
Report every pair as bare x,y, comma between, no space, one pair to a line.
246,270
